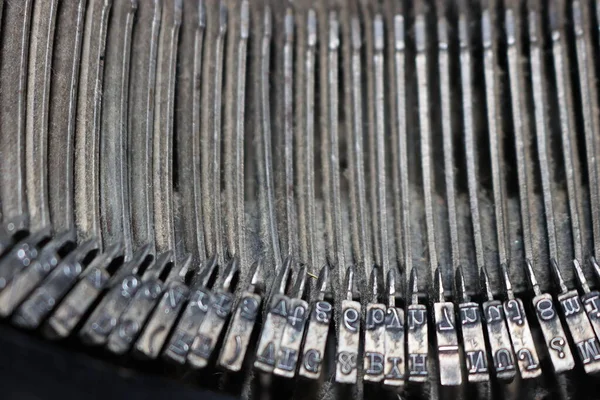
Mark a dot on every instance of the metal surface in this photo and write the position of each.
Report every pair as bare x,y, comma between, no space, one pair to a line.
303,199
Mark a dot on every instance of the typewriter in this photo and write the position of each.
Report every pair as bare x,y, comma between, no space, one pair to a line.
300,199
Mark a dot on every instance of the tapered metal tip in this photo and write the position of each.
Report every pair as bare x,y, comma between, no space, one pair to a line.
376,288
461,287
413,286
581,276
179,272
507,282
510,24
311,28
392,281
577,18
324,282
485,283
223,15
228,275
399,34
299,282
558,276
205,272
256,272
349,282
283,275
201,14
334,31
244,19
158,266
531,276
438,285
596,266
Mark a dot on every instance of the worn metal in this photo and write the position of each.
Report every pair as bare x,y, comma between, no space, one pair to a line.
241,327
209,331
121,288
394,337
33,273
164,316
78,301
499,340
417,343
181,340
43,300
278,308
374,340
319,322
293,332
472,337
347,350
134,315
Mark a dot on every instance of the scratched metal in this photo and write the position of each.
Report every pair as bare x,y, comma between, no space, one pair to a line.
121,289
580,327
162,320
277,312
417,343
43,300
14,58
448,349
238,336
499,341
582,333
78,301
187,327
160,108
394,336
293,332
24,282
113,151
472,338
87,125
237,339
317,329
142,86
160,323
41,44
348,338
272,330
374,340
181,340
556,340
20,257
163,132
187,119
218,314
590,299
520,333
134,315
551,326
62,114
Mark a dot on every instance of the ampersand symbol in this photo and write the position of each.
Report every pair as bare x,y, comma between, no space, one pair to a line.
347,361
